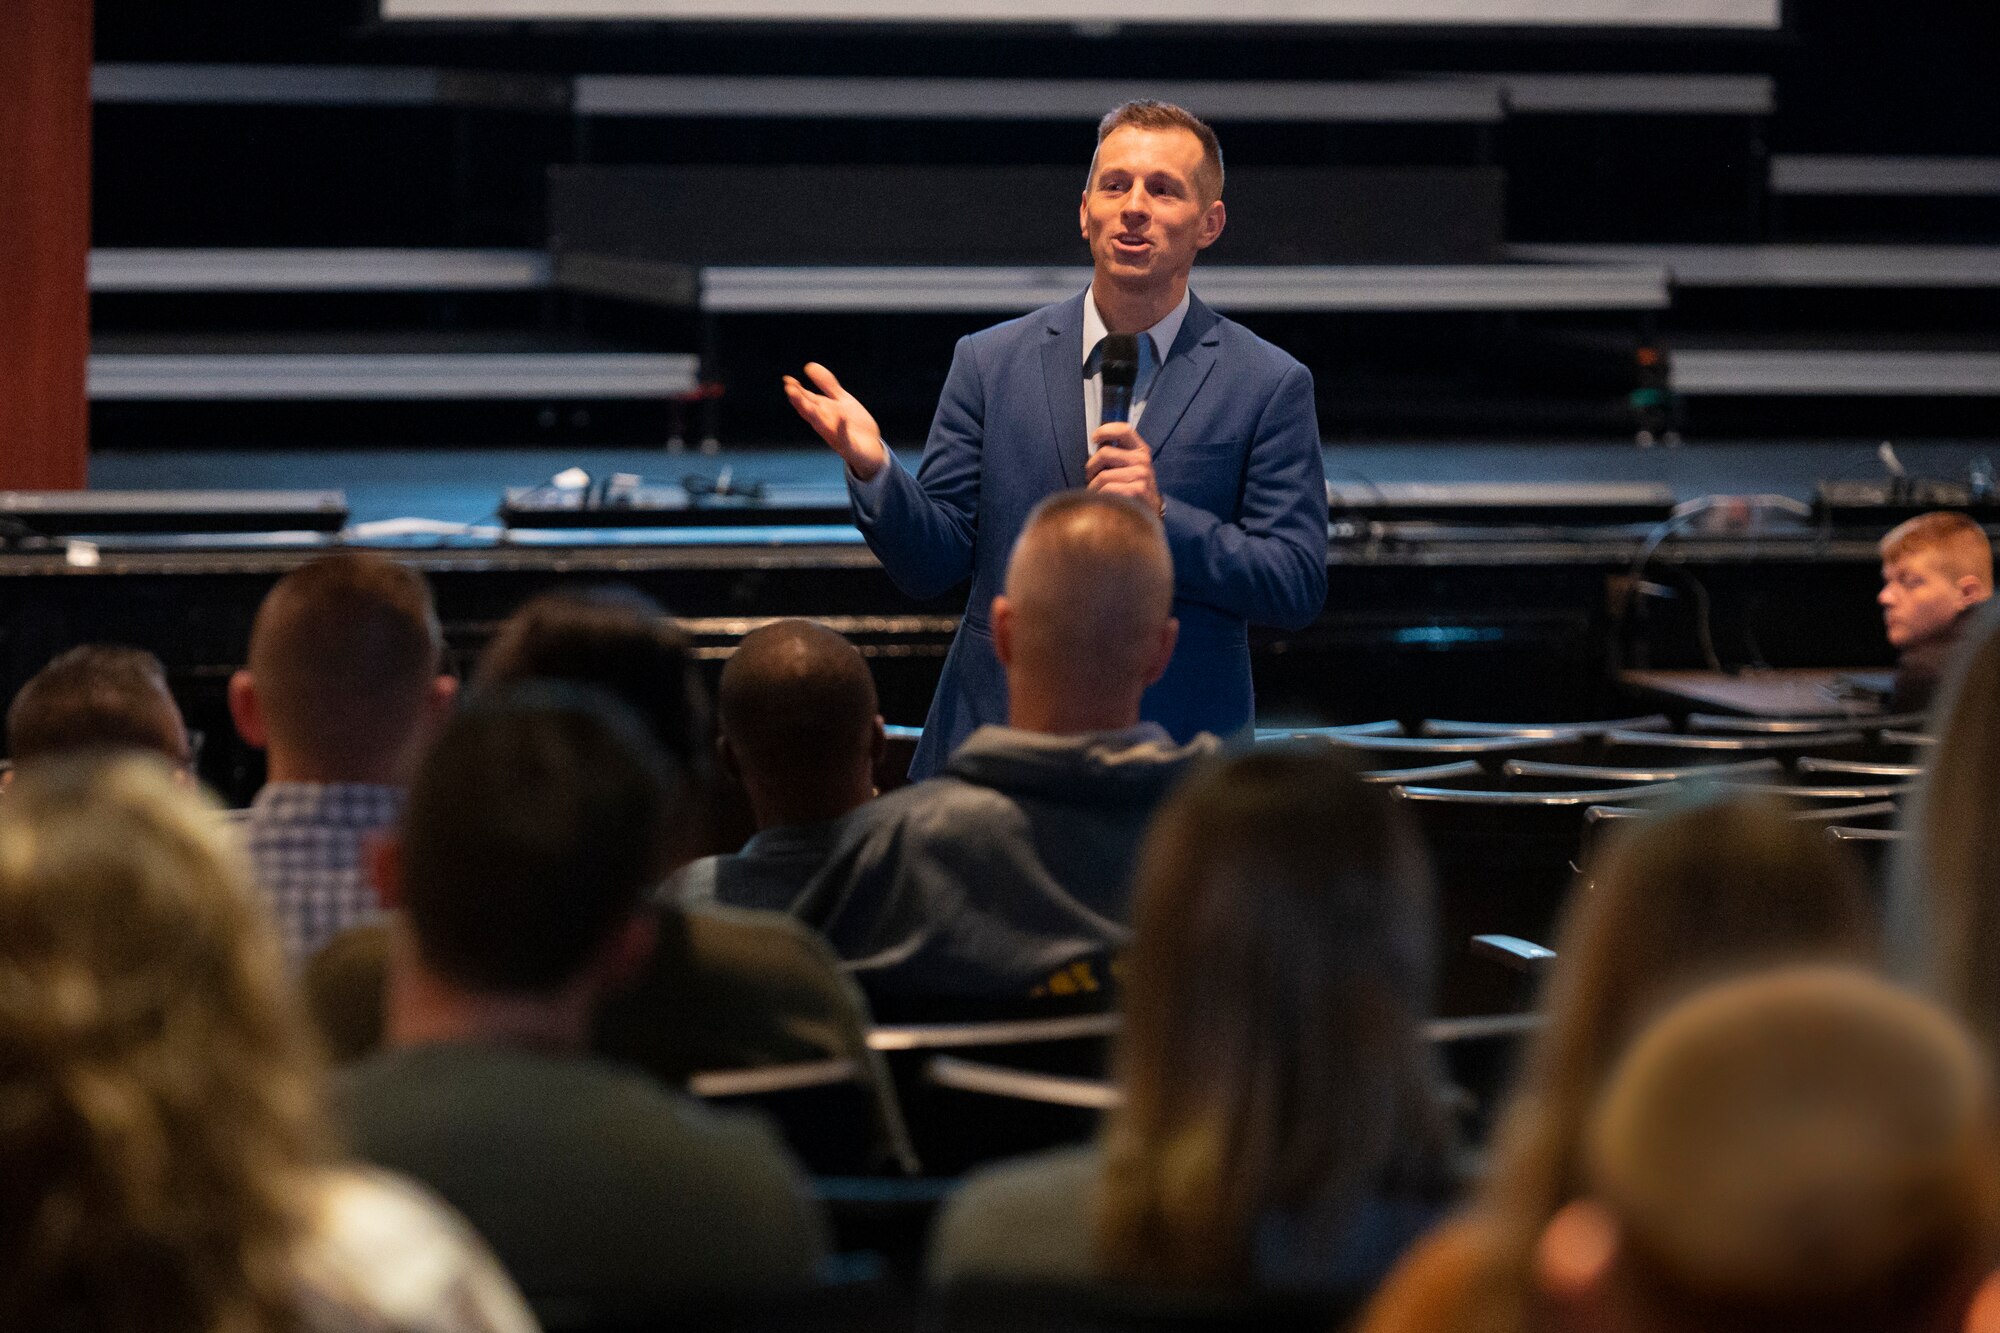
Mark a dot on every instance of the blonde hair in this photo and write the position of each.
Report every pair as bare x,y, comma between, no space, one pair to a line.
1960,545
1671,902
1272,1060
159,1096
1944,881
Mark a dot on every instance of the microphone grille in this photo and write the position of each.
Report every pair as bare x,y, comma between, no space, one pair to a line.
1118,359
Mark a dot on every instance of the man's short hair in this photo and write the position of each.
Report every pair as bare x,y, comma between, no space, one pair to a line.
343,653
797,705
1149,114
1960,545
534,827
616,639
1809,1148
98,697
1091,583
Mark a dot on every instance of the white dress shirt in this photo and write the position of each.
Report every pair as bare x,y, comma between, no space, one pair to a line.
1162,334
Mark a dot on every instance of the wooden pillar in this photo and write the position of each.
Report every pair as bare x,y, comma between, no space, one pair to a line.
44,243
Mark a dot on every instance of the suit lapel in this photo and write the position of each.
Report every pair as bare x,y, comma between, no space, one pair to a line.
1181,375
1062,372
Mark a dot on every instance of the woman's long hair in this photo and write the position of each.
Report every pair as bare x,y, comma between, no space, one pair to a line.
1272,1061
1944,883
159,1096
1672,902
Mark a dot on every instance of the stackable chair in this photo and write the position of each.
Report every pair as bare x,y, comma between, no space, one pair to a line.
1638,749
1489,752
1872,846
1866,723
1504,862
1548,731
954,1126
828,1110
1539,775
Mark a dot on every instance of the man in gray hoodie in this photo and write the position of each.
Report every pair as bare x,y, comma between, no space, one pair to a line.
1007,877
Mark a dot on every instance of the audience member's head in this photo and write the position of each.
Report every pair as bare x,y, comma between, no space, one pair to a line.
535,827
1272,1060
98,697
1934,567
343,683
159,1094
1669,903
1808,1149
1086,622
616,639
1945,876
799,722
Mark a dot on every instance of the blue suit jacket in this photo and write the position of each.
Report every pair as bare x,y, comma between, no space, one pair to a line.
1237,451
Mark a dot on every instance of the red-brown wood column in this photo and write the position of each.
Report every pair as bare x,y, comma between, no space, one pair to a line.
44,243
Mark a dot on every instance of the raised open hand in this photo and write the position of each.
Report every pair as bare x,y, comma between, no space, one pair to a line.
840,420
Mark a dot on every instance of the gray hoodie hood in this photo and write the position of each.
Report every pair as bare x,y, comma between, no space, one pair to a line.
1132,766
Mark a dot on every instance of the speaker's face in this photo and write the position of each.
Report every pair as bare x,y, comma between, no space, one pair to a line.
1143,215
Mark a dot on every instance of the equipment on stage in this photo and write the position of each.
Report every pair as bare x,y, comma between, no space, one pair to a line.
1898,496
625,500
1481,503
29,515
1883,504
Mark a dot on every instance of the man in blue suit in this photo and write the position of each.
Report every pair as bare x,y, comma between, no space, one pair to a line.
1229,456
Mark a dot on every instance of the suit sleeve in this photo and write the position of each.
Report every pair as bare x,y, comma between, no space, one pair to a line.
1269,566
921,528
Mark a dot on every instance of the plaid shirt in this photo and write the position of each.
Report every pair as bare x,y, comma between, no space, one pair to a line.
305,841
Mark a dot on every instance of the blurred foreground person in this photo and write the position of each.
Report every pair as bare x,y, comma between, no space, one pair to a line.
1944,892
164,1167
101,696
722,988
1671,903
617,639
535,828
1281,1127
1806,1151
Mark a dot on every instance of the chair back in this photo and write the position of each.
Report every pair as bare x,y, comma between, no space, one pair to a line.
826,1109
1544,730
955,1128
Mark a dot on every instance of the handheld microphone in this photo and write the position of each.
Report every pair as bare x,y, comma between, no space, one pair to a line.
1118,361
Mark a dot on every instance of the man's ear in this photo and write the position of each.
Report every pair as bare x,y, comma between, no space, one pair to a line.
725,758
384,855
1003,630
1971,592
627,951
878,742
1574,1259
1163,650
439,699
1982,1313
246,710
1213,219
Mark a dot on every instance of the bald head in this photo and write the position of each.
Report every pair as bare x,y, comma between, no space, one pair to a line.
344,659
1088,611
1808,1149
800,724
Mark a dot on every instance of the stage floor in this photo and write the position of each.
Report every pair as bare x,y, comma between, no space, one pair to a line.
464,485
